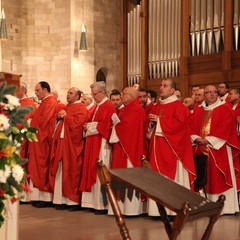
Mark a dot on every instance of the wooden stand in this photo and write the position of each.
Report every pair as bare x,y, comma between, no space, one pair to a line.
11,79
188,205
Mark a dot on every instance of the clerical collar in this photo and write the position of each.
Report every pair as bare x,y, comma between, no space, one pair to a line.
24,97
234,106
103,101
207,107
223,98
90,105
148,102
78,101
49,95
170,99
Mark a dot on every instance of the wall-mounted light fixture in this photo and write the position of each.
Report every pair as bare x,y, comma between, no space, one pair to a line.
3,26
83,38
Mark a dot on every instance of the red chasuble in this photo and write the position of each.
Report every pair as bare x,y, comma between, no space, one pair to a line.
68,149
221,126
175,144
93,144
28,102
91,111
131,134
236,160
60,106
148,108
44,120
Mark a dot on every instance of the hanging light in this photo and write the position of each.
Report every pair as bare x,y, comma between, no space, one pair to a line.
3,26
83,38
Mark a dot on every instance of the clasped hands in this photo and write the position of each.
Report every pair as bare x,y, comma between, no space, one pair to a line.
201,141
153,117
62,114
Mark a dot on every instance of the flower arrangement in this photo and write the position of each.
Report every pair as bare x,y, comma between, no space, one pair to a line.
14,128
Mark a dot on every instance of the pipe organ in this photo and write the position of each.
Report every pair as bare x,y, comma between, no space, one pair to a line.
236,24
206,26
191,41
134,39
164,38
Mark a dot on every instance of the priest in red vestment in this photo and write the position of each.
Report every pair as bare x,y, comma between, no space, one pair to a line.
213,134
97,133
44,120
170,150
89,103
25,101
223,92
145,100
61,105
116,99
66,154
234,98
147,105
128,138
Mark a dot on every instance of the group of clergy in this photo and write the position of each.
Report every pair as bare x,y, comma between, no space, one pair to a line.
118,130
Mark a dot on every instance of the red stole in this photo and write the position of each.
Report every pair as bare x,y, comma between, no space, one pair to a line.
28,102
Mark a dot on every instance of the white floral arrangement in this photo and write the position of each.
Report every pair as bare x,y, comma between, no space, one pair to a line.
14,129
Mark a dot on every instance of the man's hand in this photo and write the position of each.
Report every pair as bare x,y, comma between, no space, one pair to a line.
201,141
153,117
62,114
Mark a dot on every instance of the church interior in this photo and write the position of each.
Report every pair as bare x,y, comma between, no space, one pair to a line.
127,42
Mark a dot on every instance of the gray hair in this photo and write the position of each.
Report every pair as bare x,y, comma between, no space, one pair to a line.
100,85
88,96
24,87
236,90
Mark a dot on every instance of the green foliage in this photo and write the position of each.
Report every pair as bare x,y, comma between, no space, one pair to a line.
14,128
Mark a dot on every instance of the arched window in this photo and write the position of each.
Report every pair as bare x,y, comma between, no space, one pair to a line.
100,76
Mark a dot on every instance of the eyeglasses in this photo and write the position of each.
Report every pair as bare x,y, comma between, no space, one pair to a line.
210,92
94,94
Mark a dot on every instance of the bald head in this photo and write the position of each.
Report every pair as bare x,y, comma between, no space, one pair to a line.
188,102
210,94
21,92
73,95
87,99
129,94
55,94
199,95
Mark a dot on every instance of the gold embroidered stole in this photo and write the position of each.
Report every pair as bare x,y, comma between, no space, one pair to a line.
205,130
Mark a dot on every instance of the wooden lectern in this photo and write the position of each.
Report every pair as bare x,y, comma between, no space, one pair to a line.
186,204
11,79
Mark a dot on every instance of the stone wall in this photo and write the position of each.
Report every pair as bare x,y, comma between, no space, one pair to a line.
44,39
106,33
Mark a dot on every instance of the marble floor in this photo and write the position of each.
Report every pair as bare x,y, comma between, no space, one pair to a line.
52,224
